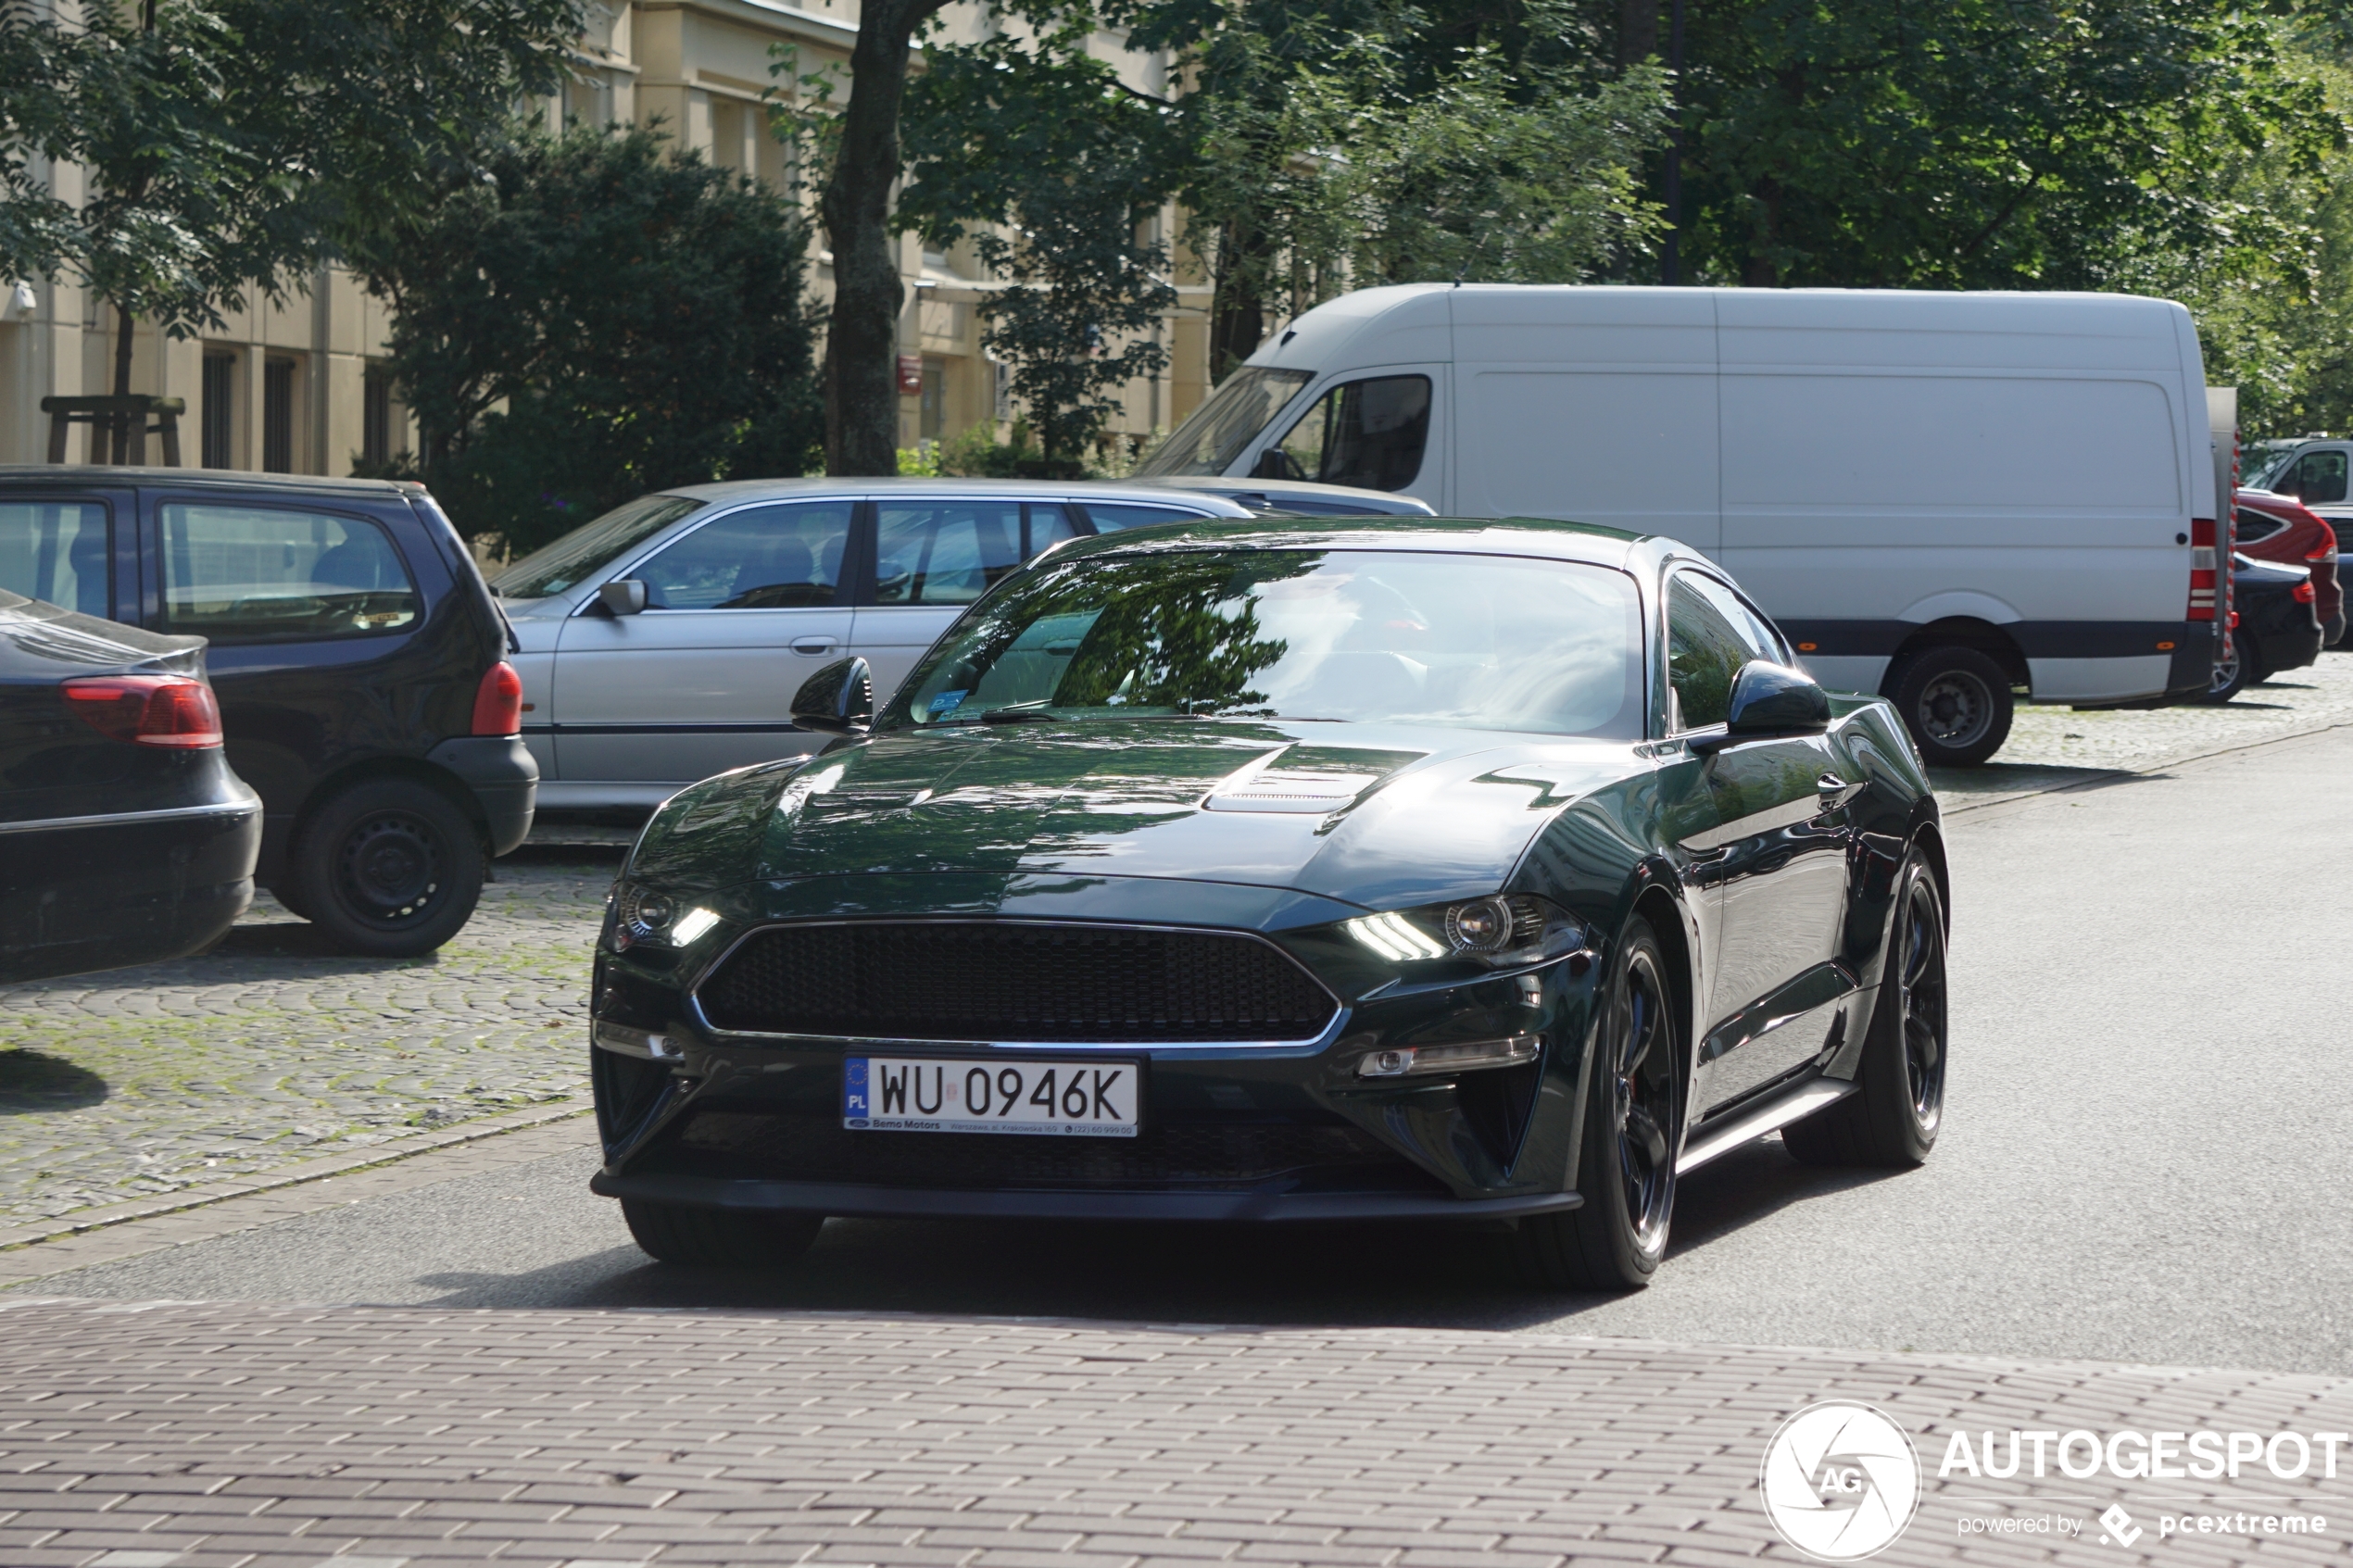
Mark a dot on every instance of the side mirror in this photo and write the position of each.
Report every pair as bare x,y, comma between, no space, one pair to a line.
837,700
1771,699
624,596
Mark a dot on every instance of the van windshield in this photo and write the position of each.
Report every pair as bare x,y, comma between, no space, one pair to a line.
554,568
1215,433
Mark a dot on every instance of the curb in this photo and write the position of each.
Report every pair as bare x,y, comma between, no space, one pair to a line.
393,1149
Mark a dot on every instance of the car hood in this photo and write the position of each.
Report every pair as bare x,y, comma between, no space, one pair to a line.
1380,816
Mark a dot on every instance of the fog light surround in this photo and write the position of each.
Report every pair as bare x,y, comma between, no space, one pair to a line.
1414,1062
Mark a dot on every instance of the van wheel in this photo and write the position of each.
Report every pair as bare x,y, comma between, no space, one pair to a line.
389,869
1957,703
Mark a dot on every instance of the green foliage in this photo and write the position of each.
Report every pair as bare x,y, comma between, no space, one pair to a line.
594,320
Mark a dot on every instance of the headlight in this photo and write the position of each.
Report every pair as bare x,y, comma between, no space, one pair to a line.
645,914
1503,931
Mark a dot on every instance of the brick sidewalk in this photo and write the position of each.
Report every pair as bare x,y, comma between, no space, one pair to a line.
180,1436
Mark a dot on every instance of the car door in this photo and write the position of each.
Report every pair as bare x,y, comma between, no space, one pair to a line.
1766,826
2317,478
740,611
934,556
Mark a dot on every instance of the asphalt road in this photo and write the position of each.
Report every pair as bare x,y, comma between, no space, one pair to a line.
2143,1159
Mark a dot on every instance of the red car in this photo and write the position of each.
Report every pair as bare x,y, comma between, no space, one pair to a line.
2280,527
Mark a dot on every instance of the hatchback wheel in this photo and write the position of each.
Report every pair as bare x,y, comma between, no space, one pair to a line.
1957,703
1634,1132
389,869
719,1238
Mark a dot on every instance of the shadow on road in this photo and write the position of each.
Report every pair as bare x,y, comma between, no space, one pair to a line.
35,1081
1396,1274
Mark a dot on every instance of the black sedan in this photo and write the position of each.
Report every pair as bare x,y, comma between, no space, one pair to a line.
128,840
1393,868
2278,627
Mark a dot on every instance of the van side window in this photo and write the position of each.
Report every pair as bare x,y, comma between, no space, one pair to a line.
1709,635
2320,477
1368,433
761,558
56,550
245,574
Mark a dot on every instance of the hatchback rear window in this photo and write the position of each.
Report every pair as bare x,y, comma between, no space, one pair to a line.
240,574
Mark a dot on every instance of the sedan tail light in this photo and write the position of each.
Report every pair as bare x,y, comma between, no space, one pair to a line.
2304,593
498,701
171,711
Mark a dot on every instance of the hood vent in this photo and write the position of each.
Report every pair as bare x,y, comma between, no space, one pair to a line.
1307,780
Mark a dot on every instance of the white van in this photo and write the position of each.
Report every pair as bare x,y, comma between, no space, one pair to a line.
1944,497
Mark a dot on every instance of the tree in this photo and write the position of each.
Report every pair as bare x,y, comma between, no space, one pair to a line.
241,142
594,320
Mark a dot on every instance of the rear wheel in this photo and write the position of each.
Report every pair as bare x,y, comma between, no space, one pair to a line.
1957,703
2234,672
1892,1120
719,1238
390,869
1633,1130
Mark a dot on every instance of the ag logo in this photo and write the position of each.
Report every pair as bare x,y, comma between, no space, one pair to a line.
1839,1481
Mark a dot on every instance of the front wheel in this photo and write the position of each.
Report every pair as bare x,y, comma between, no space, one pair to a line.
389,869
719,1238
1633,1130
1892,1120
1957,703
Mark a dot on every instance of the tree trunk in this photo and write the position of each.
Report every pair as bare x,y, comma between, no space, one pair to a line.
119,425
1236,312
861,343
1637,32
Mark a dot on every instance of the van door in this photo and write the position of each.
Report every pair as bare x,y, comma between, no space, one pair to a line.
933,557
1382,429
738,613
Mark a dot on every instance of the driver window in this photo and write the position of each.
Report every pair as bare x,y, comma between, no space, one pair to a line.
761,558
1368,433
1709,635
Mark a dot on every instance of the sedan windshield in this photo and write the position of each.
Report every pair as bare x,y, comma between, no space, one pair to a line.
587,548
1480,642
1215,433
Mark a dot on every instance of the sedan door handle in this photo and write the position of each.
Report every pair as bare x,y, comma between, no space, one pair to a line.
813,645
1834,792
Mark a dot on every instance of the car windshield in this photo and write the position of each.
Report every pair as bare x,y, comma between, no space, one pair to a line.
1480,642
1215,433
587,548
2268,468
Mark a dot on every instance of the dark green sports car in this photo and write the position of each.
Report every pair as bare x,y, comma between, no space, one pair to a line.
1379,869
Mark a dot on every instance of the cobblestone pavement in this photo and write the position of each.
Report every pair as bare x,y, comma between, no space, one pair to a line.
269,1050
290,1437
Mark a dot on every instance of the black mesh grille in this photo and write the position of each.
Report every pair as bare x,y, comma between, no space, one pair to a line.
1198,1155
946,980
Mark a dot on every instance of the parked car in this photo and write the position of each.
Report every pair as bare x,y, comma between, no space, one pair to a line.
359,660
1298,498
2282,529
1379,869
662,643
1941,496
2277,628
128,838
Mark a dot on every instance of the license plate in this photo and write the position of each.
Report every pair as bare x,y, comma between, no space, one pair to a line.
1079,1099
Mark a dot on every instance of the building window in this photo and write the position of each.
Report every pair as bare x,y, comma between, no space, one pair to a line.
375,422
277,416
220,410
935,399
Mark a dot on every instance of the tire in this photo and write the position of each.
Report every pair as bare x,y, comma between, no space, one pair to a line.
1957,703
2234,674
1633,1130
1892,1120
389,869
719,1238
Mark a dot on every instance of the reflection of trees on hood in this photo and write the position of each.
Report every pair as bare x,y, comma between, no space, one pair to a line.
1177,632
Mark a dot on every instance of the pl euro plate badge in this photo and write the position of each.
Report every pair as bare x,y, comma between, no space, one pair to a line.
1080,1100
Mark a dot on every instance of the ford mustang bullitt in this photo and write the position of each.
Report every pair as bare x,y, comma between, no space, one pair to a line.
1251,869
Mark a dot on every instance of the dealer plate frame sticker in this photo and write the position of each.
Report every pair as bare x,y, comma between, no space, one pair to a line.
1032,1096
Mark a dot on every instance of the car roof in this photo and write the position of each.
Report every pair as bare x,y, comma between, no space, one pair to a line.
1015,489
1376,501
83,474
1587,542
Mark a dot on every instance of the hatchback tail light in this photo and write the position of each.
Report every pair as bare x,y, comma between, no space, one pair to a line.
2201,568
498,701
170,710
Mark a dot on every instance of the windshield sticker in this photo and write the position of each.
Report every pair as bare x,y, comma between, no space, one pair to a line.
946,702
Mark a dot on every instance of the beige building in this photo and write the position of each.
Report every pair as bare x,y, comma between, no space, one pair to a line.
297,387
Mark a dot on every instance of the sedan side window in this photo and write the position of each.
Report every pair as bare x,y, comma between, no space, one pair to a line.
1368,433
1705,648
243,574
761,558
1110,517
951,552
56,550
2320,477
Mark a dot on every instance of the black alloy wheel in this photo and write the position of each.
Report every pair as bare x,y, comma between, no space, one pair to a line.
2233,672
388,869
1892,1118
1957,703
1633,1134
